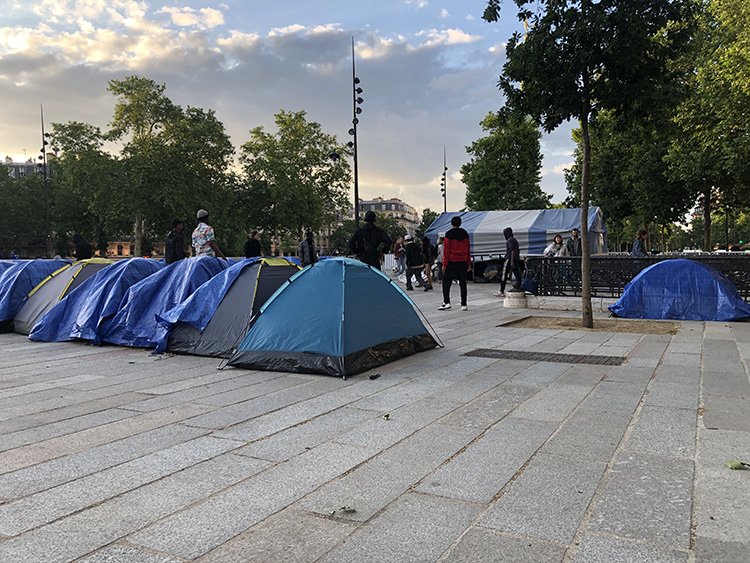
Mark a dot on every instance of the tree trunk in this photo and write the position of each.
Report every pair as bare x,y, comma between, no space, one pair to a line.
707,220
138,235
586,309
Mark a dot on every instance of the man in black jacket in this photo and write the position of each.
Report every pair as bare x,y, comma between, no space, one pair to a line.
370,242
414,262
252,245
175,247
512,260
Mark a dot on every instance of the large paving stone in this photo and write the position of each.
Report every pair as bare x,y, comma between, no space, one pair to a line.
709,550
89,530
664,431
298,439
388,475
541,373
614,396
726,413
481,545
671,394
416,528
123,553
205,526
589,434
553,403
47,506
629,373
548,500
721,510
487,409
290,536
726,384
378,433
594,549
61,470
678,374
478,473
647,497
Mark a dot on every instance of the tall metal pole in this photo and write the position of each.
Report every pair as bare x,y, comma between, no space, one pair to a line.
445,183
355,81
45,179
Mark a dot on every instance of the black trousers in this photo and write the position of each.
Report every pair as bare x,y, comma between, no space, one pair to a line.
453,271
417,273
516,269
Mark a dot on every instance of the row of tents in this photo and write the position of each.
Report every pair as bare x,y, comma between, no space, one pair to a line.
336,317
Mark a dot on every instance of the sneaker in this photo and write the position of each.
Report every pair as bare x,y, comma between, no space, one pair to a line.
444,307
464,307
428,288
498,294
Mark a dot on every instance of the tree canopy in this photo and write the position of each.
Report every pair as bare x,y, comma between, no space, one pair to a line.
505,167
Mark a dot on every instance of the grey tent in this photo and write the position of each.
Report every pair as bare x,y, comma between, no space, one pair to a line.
213,319
53,289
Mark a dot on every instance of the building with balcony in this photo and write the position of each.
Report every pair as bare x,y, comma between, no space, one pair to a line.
404,213
18,170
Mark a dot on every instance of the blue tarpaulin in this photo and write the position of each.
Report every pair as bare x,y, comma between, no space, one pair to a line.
136,322
681,289
83,313
534,229
198,309
18,280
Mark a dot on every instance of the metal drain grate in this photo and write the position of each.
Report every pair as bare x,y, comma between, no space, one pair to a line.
547,357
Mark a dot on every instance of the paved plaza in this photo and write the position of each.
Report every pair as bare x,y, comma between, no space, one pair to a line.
115,455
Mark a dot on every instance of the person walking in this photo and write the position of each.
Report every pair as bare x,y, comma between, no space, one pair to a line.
204,238
639,244
307,253
414,262
574,243
439,260
428,258
399,257
512,261
370,242
456,262
252,245
175,244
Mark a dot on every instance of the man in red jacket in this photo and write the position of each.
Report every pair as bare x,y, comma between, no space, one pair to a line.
456,262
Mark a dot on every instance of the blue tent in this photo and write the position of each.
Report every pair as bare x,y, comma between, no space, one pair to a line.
7,263
17,281
534,229
214,318
336,317
83,313
135,323
681,289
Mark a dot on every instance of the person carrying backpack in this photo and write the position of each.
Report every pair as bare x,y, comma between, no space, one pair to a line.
369,242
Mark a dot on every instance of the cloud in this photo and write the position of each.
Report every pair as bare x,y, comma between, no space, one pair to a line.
558,169
444,14
205,18
418,3
435,37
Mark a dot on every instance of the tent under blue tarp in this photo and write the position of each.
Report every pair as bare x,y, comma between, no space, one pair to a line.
681,289
336,317
533,228
213,319
18,280
83,313
7,263
136,322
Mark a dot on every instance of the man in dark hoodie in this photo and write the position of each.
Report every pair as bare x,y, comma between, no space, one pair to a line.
456,262
414,262
512,260
369,242
175,247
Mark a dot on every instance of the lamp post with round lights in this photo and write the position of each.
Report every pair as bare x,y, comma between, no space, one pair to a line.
357,101
43,166
444,183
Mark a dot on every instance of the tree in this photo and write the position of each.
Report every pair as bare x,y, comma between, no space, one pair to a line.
175,160
505,167
582,56
339,239
24,217
428,216
711,150
390,225
290,181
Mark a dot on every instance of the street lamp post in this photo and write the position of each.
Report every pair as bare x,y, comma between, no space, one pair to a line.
43,165
356,110
444,183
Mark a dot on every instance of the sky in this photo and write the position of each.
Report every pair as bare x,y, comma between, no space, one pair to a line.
428,68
